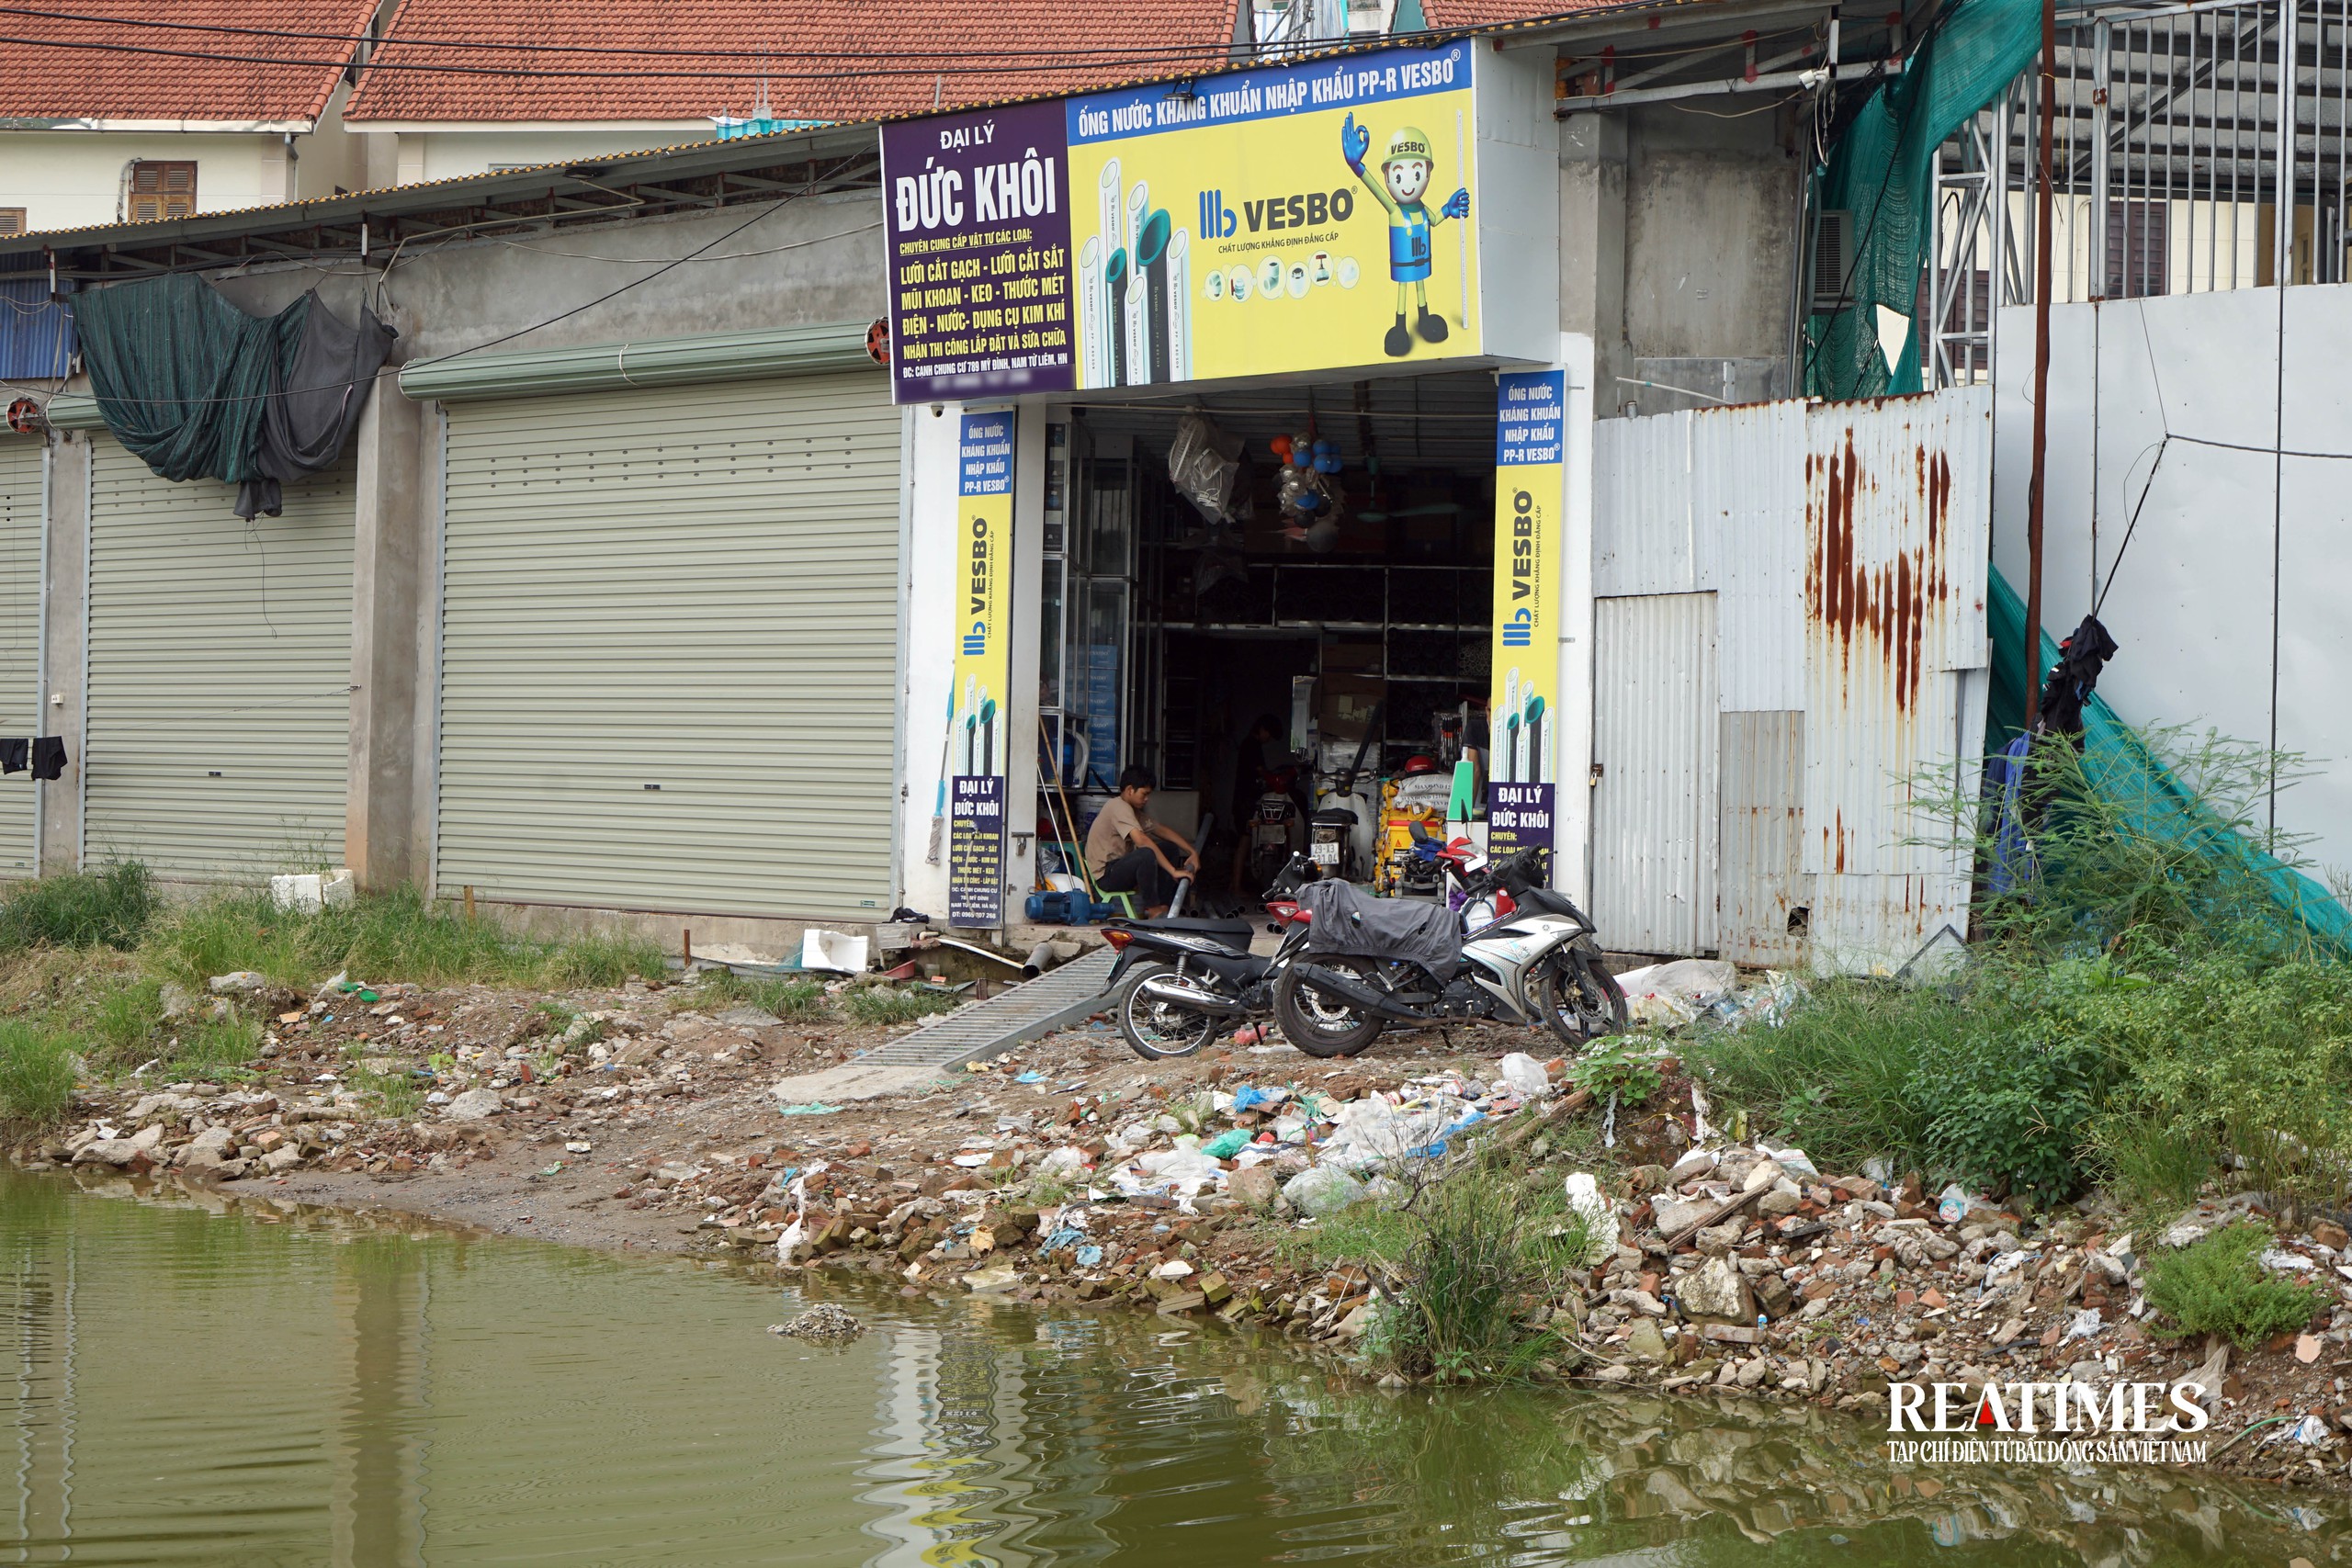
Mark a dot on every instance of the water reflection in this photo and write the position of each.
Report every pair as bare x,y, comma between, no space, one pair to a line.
201,1380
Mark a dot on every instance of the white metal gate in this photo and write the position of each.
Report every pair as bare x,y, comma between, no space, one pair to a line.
1654,808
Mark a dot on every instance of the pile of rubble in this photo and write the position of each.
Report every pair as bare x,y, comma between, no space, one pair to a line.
395,1080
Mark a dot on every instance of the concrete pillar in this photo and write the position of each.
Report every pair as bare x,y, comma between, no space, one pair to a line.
386,827
65,605
1592,249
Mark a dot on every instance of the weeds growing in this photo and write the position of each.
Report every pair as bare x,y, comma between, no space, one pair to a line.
109,908
886,1004
2137,1008
784,997
36,1073
1468,1255
2218,1286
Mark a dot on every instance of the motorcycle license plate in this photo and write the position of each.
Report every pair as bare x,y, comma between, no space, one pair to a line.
1325,853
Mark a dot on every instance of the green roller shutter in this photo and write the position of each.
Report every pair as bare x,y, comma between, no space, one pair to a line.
669,648
20,528
219,674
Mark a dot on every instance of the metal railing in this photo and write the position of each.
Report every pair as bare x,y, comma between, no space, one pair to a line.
2178,129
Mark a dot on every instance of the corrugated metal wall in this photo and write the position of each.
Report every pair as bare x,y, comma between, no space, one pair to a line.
219,717
20,529
1654,830
669,648
1846,545
36,332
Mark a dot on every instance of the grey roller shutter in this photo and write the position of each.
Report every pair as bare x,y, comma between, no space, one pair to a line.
218,723
20,529
692,588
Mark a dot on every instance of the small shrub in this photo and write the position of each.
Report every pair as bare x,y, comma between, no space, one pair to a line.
2218,1286
2015,1104
89,909
1627,1069
1477,1246
887,1004
2155,1165
36,1073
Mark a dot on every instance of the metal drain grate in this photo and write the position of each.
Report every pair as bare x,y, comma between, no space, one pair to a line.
1053,1000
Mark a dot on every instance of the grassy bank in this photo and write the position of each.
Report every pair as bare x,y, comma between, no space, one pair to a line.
86,962
2136,1014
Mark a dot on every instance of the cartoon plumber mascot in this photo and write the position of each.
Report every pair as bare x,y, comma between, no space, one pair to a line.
1404,178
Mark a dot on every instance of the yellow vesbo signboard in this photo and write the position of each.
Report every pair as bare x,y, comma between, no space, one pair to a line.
979,724
1299,219
1531,427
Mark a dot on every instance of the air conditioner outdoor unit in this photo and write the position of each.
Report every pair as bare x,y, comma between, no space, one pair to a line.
1832,262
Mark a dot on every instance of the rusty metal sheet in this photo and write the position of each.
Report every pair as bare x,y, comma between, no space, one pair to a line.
1765,895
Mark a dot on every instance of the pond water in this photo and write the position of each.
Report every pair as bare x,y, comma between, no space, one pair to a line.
214,1381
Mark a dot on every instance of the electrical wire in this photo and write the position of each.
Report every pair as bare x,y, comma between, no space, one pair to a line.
1219,51
731,255
698,253
438,68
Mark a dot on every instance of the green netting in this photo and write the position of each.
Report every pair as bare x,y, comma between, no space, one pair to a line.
182,375
1882,172
2126,773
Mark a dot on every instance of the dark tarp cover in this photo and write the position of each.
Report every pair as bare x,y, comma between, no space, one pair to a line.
1347,921
187,382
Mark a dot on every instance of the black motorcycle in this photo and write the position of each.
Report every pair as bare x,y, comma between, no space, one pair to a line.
1180,981
1369,963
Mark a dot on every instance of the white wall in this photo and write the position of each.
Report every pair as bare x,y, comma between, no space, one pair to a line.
74,179
453,154
2228,603
928,579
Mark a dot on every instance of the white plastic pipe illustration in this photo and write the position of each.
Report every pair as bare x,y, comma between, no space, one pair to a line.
1093,362
1139,301
1179,306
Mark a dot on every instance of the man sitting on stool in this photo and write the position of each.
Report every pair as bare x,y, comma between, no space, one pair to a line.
1123,846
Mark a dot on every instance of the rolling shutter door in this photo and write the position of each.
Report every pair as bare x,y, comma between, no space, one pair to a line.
20,531
670,646
219,674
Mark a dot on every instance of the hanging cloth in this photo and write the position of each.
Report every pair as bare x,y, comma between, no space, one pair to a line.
198,388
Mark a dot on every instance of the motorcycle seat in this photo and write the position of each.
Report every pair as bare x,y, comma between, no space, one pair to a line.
1334,816
1234,933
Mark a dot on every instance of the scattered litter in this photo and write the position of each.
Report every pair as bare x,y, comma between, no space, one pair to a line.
1668,996
1524,1075
2293,1262
808,1108
835,951
2086,1324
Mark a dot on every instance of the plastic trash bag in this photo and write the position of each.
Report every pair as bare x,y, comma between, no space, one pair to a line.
1322,1189
1667,996
1205,463
1524,1075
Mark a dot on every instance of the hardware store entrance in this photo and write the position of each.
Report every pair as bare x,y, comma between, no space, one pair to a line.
1255,630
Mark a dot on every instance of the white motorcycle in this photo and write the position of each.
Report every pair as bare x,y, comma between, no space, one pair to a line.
1538,965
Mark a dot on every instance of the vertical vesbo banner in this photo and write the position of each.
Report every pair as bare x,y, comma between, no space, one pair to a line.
1299,218
978,217
1531,425
979,729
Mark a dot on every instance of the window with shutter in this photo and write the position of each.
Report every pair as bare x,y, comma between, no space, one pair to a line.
162,189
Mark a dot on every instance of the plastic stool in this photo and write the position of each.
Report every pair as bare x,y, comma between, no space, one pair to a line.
1120,904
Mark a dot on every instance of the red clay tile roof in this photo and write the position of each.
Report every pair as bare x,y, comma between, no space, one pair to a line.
1449,14
833,60
46,80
